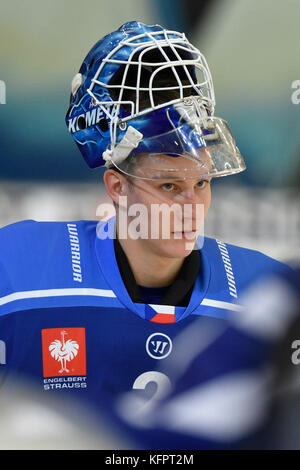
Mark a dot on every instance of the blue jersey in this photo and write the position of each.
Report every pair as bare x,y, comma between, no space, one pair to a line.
68,324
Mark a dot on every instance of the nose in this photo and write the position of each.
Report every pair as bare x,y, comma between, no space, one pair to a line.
191,208
187,195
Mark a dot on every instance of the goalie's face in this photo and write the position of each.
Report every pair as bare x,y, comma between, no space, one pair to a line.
166,215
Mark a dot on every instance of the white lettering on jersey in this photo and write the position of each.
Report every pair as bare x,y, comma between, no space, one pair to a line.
75,252
228,268
137,409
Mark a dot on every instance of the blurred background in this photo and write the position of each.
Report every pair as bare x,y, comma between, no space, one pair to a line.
252,51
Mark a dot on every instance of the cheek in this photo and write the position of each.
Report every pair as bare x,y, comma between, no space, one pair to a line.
145,196
140,200
207,200
204,200
134,196
131,199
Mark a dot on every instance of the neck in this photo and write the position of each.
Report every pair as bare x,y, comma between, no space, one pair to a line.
149,268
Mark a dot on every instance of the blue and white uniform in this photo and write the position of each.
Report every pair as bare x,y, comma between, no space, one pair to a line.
68,323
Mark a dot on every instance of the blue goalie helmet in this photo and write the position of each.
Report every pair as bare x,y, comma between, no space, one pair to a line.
144,95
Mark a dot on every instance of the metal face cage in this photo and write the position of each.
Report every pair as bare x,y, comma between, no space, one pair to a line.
186,67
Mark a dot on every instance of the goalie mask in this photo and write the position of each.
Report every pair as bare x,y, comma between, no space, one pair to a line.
144,93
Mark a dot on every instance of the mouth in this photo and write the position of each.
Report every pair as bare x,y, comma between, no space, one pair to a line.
189,235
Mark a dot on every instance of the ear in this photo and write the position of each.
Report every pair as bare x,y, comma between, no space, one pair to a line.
116,184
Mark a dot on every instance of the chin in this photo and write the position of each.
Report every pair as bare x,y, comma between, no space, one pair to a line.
175,248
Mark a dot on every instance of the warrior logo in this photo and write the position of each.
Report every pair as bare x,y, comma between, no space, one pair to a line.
64,356
158,345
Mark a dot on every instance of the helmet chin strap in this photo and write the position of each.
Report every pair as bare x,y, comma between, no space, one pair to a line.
119,153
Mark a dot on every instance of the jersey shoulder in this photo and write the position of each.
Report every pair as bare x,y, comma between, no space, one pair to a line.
39,254
30,237
245,263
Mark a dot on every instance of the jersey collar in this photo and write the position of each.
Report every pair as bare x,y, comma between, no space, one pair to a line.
178,293
106,256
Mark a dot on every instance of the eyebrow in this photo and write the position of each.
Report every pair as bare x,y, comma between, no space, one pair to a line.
177,180
161,178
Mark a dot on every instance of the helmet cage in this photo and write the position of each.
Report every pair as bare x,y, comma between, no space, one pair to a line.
195,68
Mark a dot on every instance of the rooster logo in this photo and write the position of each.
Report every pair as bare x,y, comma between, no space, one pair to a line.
63,351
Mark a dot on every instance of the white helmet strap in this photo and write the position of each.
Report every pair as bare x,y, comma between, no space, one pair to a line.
118,154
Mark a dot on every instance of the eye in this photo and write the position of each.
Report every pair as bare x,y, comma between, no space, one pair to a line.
168,186
201,183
